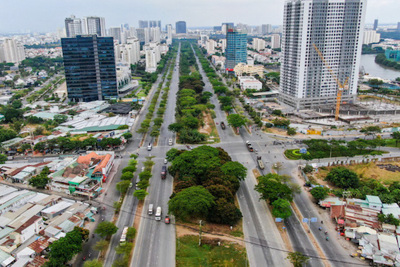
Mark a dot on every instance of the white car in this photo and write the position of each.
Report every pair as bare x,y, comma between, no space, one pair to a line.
165,161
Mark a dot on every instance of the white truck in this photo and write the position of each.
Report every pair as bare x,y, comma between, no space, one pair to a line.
158,214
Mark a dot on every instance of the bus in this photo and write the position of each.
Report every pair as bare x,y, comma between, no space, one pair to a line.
123,236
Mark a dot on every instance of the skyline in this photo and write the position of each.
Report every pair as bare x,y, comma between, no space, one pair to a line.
48,15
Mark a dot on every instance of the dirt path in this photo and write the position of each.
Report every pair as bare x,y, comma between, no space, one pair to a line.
182,231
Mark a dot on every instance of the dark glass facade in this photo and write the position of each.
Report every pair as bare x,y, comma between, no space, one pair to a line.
236,48
180,27
89,68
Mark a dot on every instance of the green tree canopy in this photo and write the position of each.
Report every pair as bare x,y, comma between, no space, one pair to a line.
123,186
236,120
63,250
343,178
39,181
271,188
297,259
127,176
396,137
234,168
281,208
319,193
140,194
106,229
224,212
194,201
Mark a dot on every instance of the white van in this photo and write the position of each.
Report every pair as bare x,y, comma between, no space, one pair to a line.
170,142
149,147
158,214
151,209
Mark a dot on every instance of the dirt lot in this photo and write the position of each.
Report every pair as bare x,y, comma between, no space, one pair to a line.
384,173
207,121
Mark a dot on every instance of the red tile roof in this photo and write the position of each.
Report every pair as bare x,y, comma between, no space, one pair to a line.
37,262
40,244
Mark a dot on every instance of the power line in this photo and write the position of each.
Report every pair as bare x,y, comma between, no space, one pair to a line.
238,239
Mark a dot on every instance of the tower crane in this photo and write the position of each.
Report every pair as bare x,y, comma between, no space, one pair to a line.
342,86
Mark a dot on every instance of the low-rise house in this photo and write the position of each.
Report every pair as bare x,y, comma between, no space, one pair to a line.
5,259
55,210
249,82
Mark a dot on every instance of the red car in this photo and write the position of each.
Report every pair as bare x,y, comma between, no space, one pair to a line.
166,219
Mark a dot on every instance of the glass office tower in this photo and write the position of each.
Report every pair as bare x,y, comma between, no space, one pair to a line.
236,49
89,68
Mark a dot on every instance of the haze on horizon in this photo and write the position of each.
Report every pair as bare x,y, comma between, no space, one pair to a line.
49,15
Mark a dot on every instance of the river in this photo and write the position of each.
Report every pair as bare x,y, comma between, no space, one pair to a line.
375,70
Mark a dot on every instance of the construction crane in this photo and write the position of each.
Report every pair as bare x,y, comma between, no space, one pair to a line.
342,86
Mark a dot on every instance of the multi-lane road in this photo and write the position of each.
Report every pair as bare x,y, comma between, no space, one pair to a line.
155,242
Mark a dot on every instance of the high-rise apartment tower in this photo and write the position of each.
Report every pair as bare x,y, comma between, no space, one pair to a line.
336,28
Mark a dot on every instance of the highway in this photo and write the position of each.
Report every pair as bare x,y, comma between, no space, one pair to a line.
128,210
264,244
156,241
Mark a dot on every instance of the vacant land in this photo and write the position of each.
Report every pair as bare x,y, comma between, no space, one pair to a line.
385,172
189,253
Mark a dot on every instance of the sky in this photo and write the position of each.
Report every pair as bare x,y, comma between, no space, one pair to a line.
48,15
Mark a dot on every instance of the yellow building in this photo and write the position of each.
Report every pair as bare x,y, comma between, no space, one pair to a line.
247,70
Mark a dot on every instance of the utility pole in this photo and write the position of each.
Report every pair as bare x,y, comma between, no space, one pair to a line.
200,233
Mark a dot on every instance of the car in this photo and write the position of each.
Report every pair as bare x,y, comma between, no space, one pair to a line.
130,185
170,142
136,186
167,220
149,147
165,161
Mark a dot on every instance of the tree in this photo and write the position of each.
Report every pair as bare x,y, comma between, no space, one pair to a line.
39,130
124,248
234,168
271,188
319,193
396,137
63,250
3,158
127,135
172,154
39,181
123,186
106,229
224,212
343,178
101,245
130,168
291,131
297,258
281,208
236,120
127,176
194,201
130,235
60,118
140,194
277,112
145,175
308,169
93,263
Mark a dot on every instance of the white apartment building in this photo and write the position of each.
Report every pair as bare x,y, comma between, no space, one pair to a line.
258,44
336,28
169,34
222,44
275,41
155,34
153,56
73,26
129,52
371,36
210,46
11,51
94,25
